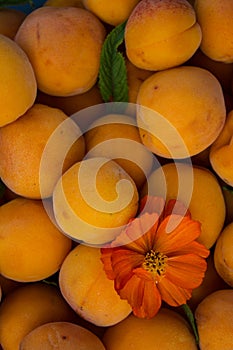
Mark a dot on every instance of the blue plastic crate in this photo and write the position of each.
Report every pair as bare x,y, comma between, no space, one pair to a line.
27,8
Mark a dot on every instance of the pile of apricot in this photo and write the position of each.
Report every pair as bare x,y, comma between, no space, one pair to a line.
73,171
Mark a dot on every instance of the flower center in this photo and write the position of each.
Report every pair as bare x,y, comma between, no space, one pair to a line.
155,262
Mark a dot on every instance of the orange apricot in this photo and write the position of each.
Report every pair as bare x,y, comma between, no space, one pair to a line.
167,330
64,46
111,12
61,336
94,199
10,20
223,254
28,307
181,111
36,148
161,34
221,152
198,189
116,136
32,248
214,318
216,33
86,288
18,85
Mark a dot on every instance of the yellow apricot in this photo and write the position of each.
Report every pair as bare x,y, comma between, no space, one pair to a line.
7,285
111,12
61,336
135,77
72,104
18,85
222,71
223,254
167,330
161,34
214,318
31,165
28,307
10,20
32,248
198,189
215,19
64,46
181,111
221,152
116,136
211,283
58,3
86,288
94,199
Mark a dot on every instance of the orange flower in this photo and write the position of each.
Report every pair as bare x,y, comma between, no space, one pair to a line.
156,257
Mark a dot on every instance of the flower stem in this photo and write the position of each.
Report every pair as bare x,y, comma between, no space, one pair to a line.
190,316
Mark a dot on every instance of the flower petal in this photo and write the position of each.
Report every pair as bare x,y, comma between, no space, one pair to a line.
192,248
106,258
152,204
173,295
143,296
186,271
174,206
184,231
139,234
123,262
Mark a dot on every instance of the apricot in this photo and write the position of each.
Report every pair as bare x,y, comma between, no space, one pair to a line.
10,20
18,85
181,111
86,288
198,189
223,257
167,330
221,152
211,283
161,34
7,285
116,136
32,248
94,199
135,77
31,165
216,33
111,12
222,71
72,104
64,46
61,336
28,307
214,318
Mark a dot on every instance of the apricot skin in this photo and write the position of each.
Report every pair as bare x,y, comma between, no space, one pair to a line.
214,318
63,45
86,288
221,152
215,19
161,34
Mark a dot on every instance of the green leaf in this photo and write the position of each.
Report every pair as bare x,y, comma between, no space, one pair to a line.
4,3
190,317
112,73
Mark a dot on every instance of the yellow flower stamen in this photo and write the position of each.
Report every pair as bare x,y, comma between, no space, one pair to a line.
155,262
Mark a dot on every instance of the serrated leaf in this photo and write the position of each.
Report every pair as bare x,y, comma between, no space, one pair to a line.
112,73
191,319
